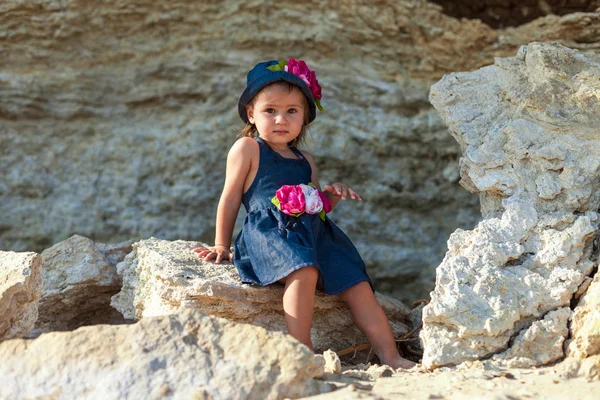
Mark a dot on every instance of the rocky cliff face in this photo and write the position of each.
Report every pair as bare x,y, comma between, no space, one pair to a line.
504,13
116,117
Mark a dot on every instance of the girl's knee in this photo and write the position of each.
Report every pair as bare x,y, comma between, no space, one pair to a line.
309,273
361,289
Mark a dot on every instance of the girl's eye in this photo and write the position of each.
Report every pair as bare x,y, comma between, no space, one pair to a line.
292,111
270,110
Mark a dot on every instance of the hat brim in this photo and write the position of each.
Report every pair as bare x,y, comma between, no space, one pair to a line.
271,77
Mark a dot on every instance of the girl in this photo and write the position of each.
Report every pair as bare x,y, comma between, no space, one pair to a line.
286,236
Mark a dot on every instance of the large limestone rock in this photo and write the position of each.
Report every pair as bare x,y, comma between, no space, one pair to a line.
20,288
126,134
527,126
162,277
184,356
502,276
537,138
78,284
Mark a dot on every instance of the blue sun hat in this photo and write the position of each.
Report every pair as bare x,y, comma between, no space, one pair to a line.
294,71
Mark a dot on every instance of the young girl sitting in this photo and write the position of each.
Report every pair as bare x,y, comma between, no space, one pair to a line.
287,237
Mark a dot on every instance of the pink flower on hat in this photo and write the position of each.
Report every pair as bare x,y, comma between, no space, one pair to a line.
291,200
301,70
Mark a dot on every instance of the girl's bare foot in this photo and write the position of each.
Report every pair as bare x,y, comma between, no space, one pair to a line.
399,362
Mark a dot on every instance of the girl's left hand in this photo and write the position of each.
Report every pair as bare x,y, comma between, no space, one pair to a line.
218,253
342,190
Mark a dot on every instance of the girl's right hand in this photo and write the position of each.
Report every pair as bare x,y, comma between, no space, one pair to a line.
216,252
342,190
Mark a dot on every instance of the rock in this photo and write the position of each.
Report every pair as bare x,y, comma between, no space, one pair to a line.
161,277
534,159
588,367
380,371
333,365
78,284
499,278
124,137
585,325
368,371
20,288
583,350
540,344
519,137
185,355
116,252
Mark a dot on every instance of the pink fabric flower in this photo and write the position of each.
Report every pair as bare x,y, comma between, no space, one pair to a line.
314,86
300,69
291,199
325,200
314,204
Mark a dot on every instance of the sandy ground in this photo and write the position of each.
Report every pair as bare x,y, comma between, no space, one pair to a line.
459,383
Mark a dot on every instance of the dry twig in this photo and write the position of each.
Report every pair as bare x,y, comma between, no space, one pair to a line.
407,338
353,349
417,303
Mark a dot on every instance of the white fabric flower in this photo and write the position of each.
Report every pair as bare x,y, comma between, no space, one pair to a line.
313,201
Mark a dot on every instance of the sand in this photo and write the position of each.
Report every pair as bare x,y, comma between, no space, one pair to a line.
473,382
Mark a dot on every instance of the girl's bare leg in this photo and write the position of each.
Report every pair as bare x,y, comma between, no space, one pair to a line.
372,321
298,302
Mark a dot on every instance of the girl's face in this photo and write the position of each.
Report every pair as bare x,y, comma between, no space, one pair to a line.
278,113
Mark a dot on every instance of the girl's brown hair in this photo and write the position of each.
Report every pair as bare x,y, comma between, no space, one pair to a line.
250,129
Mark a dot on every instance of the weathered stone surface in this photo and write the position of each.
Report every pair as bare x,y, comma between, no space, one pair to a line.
117,117
513,12
115,252
333,365
540,344
184,356
583,349
20,288
500,277
589,367
585,326
538,136
161,277
78,284
527,127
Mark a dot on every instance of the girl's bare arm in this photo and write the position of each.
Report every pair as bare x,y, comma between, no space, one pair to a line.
241,158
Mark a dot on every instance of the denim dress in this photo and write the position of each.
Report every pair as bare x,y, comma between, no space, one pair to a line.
271,244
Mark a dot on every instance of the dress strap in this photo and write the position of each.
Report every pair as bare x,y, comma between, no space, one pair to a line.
268,148
264,148
297,152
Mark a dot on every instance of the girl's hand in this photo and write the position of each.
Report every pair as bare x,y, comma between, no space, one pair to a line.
342,190
218,252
